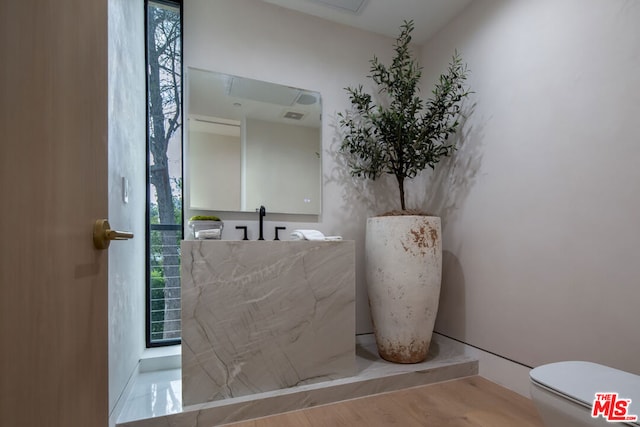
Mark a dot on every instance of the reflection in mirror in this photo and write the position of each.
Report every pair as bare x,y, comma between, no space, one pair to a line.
252,143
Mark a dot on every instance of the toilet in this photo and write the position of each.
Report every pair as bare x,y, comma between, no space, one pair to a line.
564,393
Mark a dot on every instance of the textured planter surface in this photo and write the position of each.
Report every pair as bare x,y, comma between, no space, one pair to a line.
404,270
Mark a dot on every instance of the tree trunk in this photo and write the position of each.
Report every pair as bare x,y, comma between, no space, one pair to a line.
401,188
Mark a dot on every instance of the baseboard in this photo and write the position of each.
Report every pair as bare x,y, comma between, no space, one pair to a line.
498,369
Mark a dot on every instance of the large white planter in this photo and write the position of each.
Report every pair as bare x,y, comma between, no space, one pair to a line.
404,271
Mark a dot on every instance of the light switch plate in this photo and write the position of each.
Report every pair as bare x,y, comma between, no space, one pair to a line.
125,189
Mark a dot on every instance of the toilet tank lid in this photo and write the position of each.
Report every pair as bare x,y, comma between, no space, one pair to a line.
582,380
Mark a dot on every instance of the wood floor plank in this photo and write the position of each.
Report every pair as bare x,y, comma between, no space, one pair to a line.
289,419
466,402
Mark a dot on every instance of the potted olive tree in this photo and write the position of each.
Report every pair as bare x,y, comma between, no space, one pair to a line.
402,135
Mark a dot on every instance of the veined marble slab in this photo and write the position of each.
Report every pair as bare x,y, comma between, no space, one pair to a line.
265,315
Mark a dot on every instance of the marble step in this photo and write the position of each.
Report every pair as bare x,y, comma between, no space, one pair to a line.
447,360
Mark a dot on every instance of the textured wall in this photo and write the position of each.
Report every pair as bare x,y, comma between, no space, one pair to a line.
126,159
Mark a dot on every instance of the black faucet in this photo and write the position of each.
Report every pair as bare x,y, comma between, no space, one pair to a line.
262,212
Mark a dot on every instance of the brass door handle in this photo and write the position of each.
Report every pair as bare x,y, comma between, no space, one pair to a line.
103,234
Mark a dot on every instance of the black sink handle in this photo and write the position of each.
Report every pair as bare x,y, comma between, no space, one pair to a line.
243,227
277,229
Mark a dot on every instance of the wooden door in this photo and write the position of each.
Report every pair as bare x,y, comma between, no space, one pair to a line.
53,186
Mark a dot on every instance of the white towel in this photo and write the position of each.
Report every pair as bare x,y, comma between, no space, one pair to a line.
213,233
312,235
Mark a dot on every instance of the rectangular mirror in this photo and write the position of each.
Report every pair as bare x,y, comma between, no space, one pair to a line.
252,143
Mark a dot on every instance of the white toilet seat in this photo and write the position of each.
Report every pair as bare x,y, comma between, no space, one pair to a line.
580,381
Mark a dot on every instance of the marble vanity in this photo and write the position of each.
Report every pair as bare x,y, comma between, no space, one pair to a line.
265,315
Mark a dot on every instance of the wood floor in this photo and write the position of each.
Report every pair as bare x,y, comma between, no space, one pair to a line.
466,402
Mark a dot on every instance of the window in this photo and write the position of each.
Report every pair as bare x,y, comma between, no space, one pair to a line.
164,166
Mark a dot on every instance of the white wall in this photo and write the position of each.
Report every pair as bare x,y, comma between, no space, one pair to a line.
261,41
126,159
541,205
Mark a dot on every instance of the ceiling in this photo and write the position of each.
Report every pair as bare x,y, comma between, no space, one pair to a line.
222,99
383,16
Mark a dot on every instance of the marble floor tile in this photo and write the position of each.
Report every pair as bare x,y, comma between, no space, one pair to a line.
154,394
155,399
